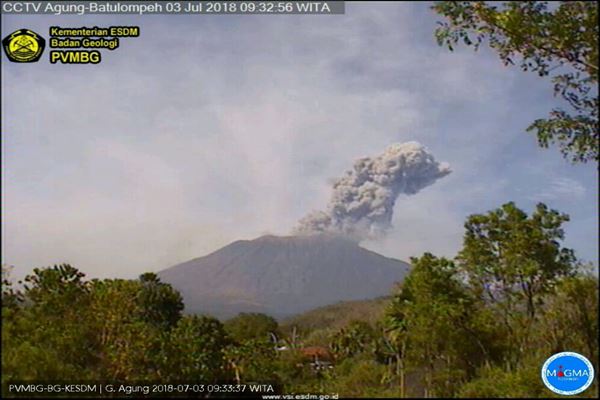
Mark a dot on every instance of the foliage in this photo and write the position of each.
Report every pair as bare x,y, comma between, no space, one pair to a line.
337,316
291,370
246,326
123,340
545,39
356,338
483,325
48,327
495,382
194,351
66,328
10,297
160,304
570,319
359,377
511,260
430,313
320,337
252,361
508,255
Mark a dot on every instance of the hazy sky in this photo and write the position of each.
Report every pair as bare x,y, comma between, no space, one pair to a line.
209,129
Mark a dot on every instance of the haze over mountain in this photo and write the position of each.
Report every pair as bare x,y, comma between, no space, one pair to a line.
282,275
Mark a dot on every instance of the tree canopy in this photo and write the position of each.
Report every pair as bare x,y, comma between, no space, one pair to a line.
554,39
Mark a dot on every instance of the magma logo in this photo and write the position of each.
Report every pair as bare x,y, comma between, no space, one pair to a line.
567,373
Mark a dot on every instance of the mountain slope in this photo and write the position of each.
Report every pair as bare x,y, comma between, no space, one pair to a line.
338,315
282,276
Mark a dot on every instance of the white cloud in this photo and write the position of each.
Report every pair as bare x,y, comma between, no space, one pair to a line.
560,188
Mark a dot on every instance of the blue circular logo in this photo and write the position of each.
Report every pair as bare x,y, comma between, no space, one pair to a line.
567,373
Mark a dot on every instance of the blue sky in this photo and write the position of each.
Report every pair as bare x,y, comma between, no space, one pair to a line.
208,129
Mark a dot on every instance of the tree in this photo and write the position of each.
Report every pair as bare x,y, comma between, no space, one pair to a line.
511,260
160,304
126,343
43,338
11,298
392,344
252,361
246,326
506,254
427,318
355,338
194,351
496,382
56,288
571,317
66,328
483,324
543,39
359,377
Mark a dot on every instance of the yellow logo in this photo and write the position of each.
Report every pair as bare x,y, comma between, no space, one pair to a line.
23,46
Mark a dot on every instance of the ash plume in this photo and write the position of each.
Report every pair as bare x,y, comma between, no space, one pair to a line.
362,202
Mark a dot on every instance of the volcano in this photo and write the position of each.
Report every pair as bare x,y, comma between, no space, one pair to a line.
282,276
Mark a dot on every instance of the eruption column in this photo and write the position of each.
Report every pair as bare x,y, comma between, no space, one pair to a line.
362,201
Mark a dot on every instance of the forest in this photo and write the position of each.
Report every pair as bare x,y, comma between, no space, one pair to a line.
478,325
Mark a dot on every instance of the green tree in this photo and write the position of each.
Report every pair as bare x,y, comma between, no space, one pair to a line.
509,255
497,382
292,371
252,361
126,343
195,351
359,377
11,298
355,338
428,317
560,41
55,289
246,326
482,325
511,260
570,320
160,304
43,338
392,344
67,328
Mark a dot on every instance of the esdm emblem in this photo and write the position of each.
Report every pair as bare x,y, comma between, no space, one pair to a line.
23,46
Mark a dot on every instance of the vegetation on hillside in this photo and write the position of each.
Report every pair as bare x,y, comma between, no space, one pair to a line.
336,316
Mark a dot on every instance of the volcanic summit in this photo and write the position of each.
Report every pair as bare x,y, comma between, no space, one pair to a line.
282,275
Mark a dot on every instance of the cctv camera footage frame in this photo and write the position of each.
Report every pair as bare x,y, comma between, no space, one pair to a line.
299,199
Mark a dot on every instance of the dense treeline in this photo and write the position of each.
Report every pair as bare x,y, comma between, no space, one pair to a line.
478,325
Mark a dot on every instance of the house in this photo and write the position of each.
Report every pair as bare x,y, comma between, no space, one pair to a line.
319,357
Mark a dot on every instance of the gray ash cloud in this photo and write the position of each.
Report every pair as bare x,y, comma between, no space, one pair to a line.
362,202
